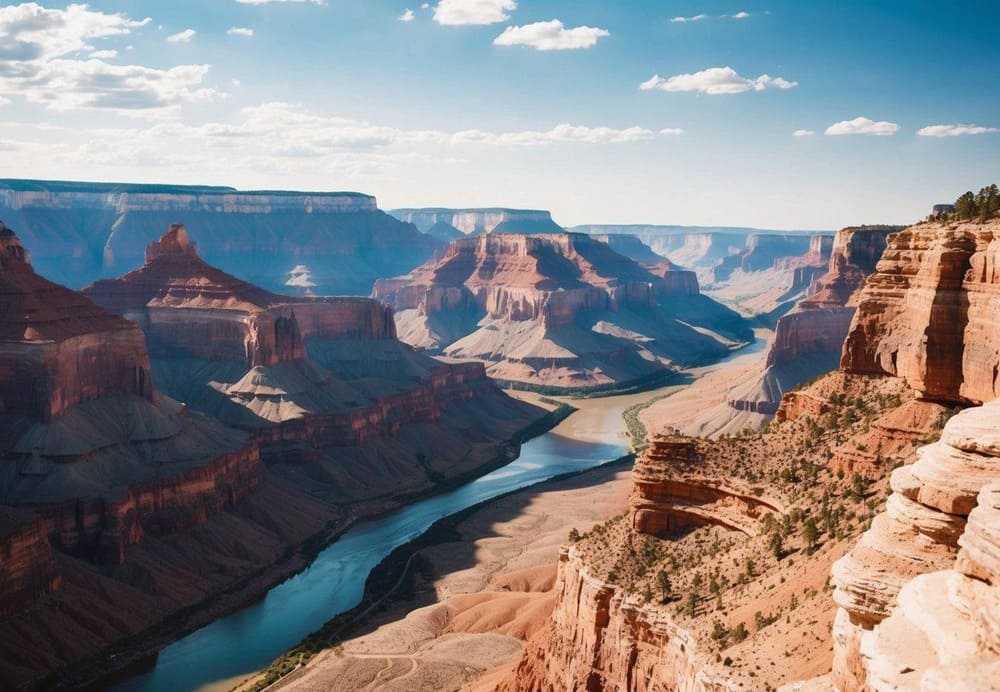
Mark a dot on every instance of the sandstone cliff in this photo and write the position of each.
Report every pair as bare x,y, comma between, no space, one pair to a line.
80,232
808,340
177,508
560,310
928,314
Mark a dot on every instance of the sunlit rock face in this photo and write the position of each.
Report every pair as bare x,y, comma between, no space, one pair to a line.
560,310
929,313
80,232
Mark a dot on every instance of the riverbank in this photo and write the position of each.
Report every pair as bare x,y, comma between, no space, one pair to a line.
478,585
120,663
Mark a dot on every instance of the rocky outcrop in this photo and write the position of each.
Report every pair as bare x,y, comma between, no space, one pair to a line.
677,281
928,314
669,494
808,340
304,374
87,441
80,232
437,221
765,251
919,533
602,639
27,564
560,310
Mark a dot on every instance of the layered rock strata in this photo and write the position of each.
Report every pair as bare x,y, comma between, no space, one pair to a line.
928,314
561,310
669,495
304,374
87,441
808,340
438,221
918,533
27,563
83,231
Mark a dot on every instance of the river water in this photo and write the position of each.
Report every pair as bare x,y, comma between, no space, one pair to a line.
217,656
248,640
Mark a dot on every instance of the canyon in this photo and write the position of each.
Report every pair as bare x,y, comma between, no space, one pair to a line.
451,224
128,516
562,311
912,598
311,242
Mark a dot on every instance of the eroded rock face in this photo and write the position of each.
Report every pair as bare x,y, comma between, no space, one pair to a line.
600,639
27,563
808,340
87,441
80,232
669,494
928,314
920,532
556,310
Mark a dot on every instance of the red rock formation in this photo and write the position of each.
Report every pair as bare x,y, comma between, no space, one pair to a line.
27,564
557,310
57,348
669,494
928,315
87,441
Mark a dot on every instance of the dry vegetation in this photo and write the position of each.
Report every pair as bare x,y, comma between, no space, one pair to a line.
759,602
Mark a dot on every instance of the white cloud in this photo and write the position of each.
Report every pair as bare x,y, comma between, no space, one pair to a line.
240,31
36,45
803,133
703,17
954,130
671,131
715,81
30,32
550,35
407,16
182,36
558,134
863,126
457,12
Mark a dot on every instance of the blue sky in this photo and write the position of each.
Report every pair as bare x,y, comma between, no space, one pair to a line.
491,102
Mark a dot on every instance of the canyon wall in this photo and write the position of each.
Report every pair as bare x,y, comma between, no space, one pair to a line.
928,314
436,221
562,310
320,242
28,567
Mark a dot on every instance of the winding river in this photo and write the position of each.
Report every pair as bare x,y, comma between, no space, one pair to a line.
219,655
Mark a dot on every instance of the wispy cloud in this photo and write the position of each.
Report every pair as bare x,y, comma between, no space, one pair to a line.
182,36
703,17
863,126
955,130
103,54
550,35
240,31
716,81
803,133
407,16
459,12
559,133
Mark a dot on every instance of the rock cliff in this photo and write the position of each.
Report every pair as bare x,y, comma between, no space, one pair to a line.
80,232
928,313
175,508
558,310
900,614
808,340
442,223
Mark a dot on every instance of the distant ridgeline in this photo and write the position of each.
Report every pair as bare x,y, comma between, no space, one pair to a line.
450,224
321,242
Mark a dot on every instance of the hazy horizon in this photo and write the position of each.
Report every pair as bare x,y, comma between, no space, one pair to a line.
776,115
